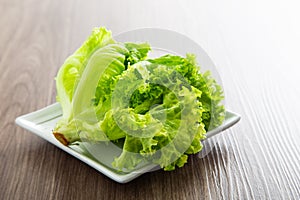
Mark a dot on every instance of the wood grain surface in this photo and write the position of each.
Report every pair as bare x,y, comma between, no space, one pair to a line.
256,49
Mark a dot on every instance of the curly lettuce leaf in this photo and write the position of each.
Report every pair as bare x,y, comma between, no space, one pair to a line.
95,64
70,72
169,125
212,93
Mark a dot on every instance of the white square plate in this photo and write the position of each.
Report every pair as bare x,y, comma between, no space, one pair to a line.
43,121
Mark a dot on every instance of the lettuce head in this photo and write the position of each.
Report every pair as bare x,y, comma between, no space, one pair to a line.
157,110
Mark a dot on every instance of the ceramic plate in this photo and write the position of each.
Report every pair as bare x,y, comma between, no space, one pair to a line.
42,122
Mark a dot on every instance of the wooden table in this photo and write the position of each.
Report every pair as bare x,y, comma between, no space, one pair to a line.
256,49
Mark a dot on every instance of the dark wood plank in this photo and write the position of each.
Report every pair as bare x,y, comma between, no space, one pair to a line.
257,159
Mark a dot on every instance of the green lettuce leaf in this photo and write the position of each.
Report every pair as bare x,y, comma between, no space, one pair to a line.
106,59
212,93
70,72
161,121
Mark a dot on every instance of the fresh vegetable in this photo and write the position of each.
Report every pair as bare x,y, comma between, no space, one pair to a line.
157,110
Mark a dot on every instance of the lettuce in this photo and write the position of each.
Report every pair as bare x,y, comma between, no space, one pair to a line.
102,50
157,110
